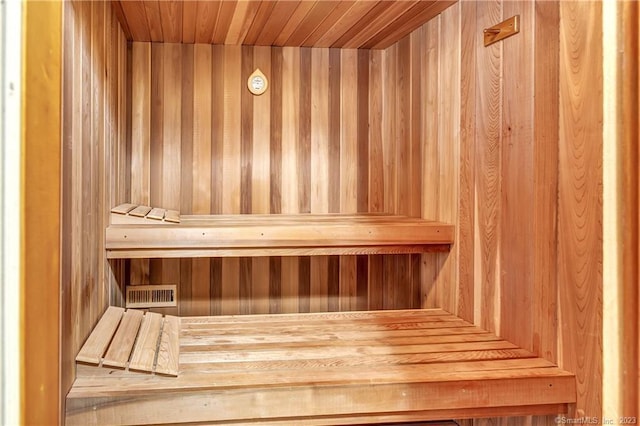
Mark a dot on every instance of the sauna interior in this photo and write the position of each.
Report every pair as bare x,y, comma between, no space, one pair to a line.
424,210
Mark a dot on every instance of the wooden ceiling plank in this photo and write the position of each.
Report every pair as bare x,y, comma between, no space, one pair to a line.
225,16
122,18
378,24
171,16
345,23
280,15
315,23
321,10
137,20
398,23
363,23
410,23
263,16
206,17
189,21
336,14
303,9
243,18
154,22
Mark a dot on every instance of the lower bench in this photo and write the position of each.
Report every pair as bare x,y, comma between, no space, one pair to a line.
327,368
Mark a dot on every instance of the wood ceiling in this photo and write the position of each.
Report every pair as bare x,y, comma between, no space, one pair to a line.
332,23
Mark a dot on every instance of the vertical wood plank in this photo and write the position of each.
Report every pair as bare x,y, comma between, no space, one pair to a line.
260,187
580,201
157,142
375,184
231,177
186,284
430,60
629,22
276,170
275,130
517,167
319,131
172,132
363,122
488,172
335,164
389,129
319,196
449,148
217,128
290,185
201,167
466,219
246,134
349,180
376,179
403,126
546,115
304,133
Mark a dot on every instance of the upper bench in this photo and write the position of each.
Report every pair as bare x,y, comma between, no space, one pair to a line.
168,234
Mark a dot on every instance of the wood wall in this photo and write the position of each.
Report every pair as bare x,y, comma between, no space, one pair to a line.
486,122
531,131
520,126
93,167
580,202
331,134
503,141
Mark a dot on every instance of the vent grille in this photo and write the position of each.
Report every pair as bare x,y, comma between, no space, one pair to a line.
151,296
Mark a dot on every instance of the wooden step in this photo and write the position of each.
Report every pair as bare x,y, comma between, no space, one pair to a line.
134,340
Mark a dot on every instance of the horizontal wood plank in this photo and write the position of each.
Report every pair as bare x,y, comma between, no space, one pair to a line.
259,235
246,368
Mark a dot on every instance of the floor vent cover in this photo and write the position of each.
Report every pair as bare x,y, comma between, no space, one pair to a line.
151,296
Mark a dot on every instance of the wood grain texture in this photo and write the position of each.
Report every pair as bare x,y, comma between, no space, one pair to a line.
630,94
304,147
545,278
271,23
466,220
580,201
101,335
517,192
488,171
353,364
95,165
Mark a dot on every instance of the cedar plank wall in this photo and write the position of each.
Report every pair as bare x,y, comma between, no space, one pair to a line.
483,122
204,145
529,177
580,202
94,167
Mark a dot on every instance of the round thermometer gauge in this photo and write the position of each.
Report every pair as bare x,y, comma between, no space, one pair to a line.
257,82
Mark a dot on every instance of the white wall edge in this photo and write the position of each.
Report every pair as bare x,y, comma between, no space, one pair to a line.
10,210
611,264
